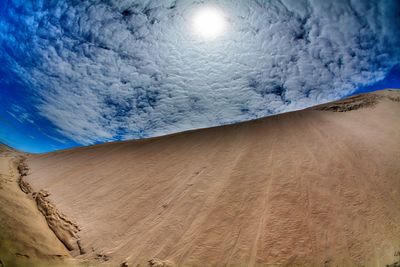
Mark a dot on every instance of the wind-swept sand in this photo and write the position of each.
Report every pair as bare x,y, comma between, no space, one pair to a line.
318,187
25,239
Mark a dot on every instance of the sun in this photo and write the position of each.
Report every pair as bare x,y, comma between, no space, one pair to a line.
209,22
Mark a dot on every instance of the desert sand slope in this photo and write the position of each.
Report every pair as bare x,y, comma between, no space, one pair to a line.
316,187
25,238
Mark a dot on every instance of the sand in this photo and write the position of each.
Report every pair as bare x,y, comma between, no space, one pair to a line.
317,187
25,238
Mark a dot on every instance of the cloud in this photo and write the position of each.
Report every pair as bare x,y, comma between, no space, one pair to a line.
105,70
20,114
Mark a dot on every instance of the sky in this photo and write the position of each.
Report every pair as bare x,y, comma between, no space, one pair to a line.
78,73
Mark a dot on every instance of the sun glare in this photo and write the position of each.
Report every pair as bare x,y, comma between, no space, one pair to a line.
209,22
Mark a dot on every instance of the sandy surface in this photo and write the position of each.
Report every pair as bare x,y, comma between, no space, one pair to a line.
25,238
308,188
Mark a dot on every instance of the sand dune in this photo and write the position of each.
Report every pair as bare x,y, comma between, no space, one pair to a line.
25,238
318,187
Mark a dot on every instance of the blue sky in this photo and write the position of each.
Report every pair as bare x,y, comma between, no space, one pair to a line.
41,137
81,73
16,127
392,80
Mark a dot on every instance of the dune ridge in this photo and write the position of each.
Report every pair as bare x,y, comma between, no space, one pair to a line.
317,187
25,238
352,103
65,229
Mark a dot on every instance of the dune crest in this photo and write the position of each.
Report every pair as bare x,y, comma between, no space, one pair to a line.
25,238
65,230
352,103
306,188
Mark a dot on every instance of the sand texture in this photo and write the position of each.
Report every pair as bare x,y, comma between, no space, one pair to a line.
64,229
309,188
25,238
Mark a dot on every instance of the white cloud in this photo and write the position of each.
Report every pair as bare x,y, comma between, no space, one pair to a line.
131,69
20,114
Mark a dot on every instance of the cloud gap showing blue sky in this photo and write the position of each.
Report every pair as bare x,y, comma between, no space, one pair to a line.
85,72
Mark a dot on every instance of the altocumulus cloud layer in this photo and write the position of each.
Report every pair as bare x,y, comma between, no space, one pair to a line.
120,69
